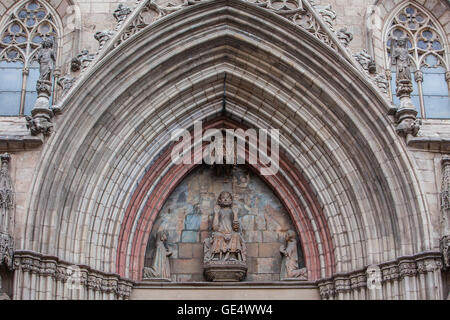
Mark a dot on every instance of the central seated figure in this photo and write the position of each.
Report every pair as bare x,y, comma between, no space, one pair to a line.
225,252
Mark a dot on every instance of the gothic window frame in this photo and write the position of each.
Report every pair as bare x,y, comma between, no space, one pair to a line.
425,21
35,23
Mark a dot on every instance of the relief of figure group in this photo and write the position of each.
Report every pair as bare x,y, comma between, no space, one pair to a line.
224,250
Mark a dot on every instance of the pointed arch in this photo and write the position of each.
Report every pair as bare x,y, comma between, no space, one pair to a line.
335,134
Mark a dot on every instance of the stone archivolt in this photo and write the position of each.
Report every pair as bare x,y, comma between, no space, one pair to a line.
359,199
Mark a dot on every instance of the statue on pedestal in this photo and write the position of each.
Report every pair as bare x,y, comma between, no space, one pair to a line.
289,264
406,114
225,251
400,58
160,269
41,114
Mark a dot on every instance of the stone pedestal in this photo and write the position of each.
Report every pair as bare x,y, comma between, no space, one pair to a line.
41,115
225,271
407,122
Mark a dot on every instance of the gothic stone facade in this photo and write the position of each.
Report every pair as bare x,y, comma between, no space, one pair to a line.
92,207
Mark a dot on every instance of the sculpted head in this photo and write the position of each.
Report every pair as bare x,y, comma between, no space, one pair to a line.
47,43
225,199
290,235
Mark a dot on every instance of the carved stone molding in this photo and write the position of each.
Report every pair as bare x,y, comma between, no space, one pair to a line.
403,267
49,266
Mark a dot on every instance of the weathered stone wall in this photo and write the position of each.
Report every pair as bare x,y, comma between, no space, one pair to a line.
188,213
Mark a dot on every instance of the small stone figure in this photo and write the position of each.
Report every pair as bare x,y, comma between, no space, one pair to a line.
160,268
345,36
289,264
46,59
400,58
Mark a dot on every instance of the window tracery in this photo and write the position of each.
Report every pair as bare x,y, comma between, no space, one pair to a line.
429,61
21,36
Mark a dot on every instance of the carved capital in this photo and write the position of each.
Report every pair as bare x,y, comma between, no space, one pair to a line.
418,76
327,290
407,269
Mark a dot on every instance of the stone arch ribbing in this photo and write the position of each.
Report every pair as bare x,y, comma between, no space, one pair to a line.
333,123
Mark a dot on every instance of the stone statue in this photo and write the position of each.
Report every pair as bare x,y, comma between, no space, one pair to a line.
289,264
400,58
46,59
227,242
160,268
225,252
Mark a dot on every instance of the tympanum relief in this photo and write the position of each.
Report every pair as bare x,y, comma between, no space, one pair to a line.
225,228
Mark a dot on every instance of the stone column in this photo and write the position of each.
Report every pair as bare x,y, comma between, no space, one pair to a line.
418,77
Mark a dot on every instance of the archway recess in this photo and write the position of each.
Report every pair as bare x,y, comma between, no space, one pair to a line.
340,148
